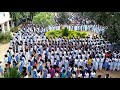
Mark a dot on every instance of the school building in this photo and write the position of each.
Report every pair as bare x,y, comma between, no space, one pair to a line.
5,21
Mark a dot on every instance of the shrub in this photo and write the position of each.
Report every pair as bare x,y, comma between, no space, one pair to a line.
15,29
83,35
12,73
65,32
5,37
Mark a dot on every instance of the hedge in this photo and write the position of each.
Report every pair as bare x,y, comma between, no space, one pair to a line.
65,33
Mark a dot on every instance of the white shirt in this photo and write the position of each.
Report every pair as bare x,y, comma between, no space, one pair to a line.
86,75
56,75
38,75
48,76
6,60
80,75
93,74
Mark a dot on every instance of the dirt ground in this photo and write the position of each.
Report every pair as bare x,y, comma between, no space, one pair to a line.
3,50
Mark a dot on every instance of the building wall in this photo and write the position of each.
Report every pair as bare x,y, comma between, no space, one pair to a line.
4,17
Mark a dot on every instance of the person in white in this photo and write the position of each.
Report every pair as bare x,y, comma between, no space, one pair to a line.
115,64
39,74
96,63
118,68
86,75
101,63
93,74
48,75
56,75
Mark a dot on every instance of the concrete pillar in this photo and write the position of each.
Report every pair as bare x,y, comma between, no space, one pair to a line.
3,27
8,26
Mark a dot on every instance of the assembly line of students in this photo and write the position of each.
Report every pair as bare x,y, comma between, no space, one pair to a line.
59,58
95,28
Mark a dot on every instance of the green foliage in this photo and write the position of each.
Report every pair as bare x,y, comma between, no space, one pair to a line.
109,19
63,18
70,34
44,18
5,37
15,29
12,73
65,32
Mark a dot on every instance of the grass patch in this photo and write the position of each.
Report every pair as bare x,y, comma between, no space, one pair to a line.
66,33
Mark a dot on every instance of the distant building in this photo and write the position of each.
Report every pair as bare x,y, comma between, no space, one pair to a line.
5,21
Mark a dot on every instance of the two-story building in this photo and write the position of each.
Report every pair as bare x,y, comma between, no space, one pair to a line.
5,21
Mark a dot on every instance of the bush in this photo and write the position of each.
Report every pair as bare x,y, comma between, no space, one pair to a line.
65,33
5,37
15,29
12,73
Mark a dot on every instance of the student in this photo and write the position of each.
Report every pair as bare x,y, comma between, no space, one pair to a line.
1,69
63,74
5,60
34,72
80,75
86,74
29,67
57,74
101,63
96,64
118,68
52,71
93,74
73,74
48,75
69,70
106,64
45,71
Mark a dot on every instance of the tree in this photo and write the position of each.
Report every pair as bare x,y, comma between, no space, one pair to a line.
63,18
109,19
44,18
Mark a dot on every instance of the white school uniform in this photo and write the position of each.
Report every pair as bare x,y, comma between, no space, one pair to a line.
115,64
93,75
118,68
101,63
6,60
96,64
48,75
86,75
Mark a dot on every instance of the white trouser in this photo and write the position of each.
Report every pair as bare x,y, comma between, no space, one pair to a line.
96,67
100,66
114,67
111,67
118,67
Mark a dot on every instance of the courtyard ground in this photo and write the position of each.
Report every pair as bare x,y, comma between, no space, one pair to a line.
113,74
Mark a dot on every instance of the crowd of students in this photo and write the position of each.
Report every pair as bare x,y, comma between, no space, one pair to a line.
84,27
37,57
